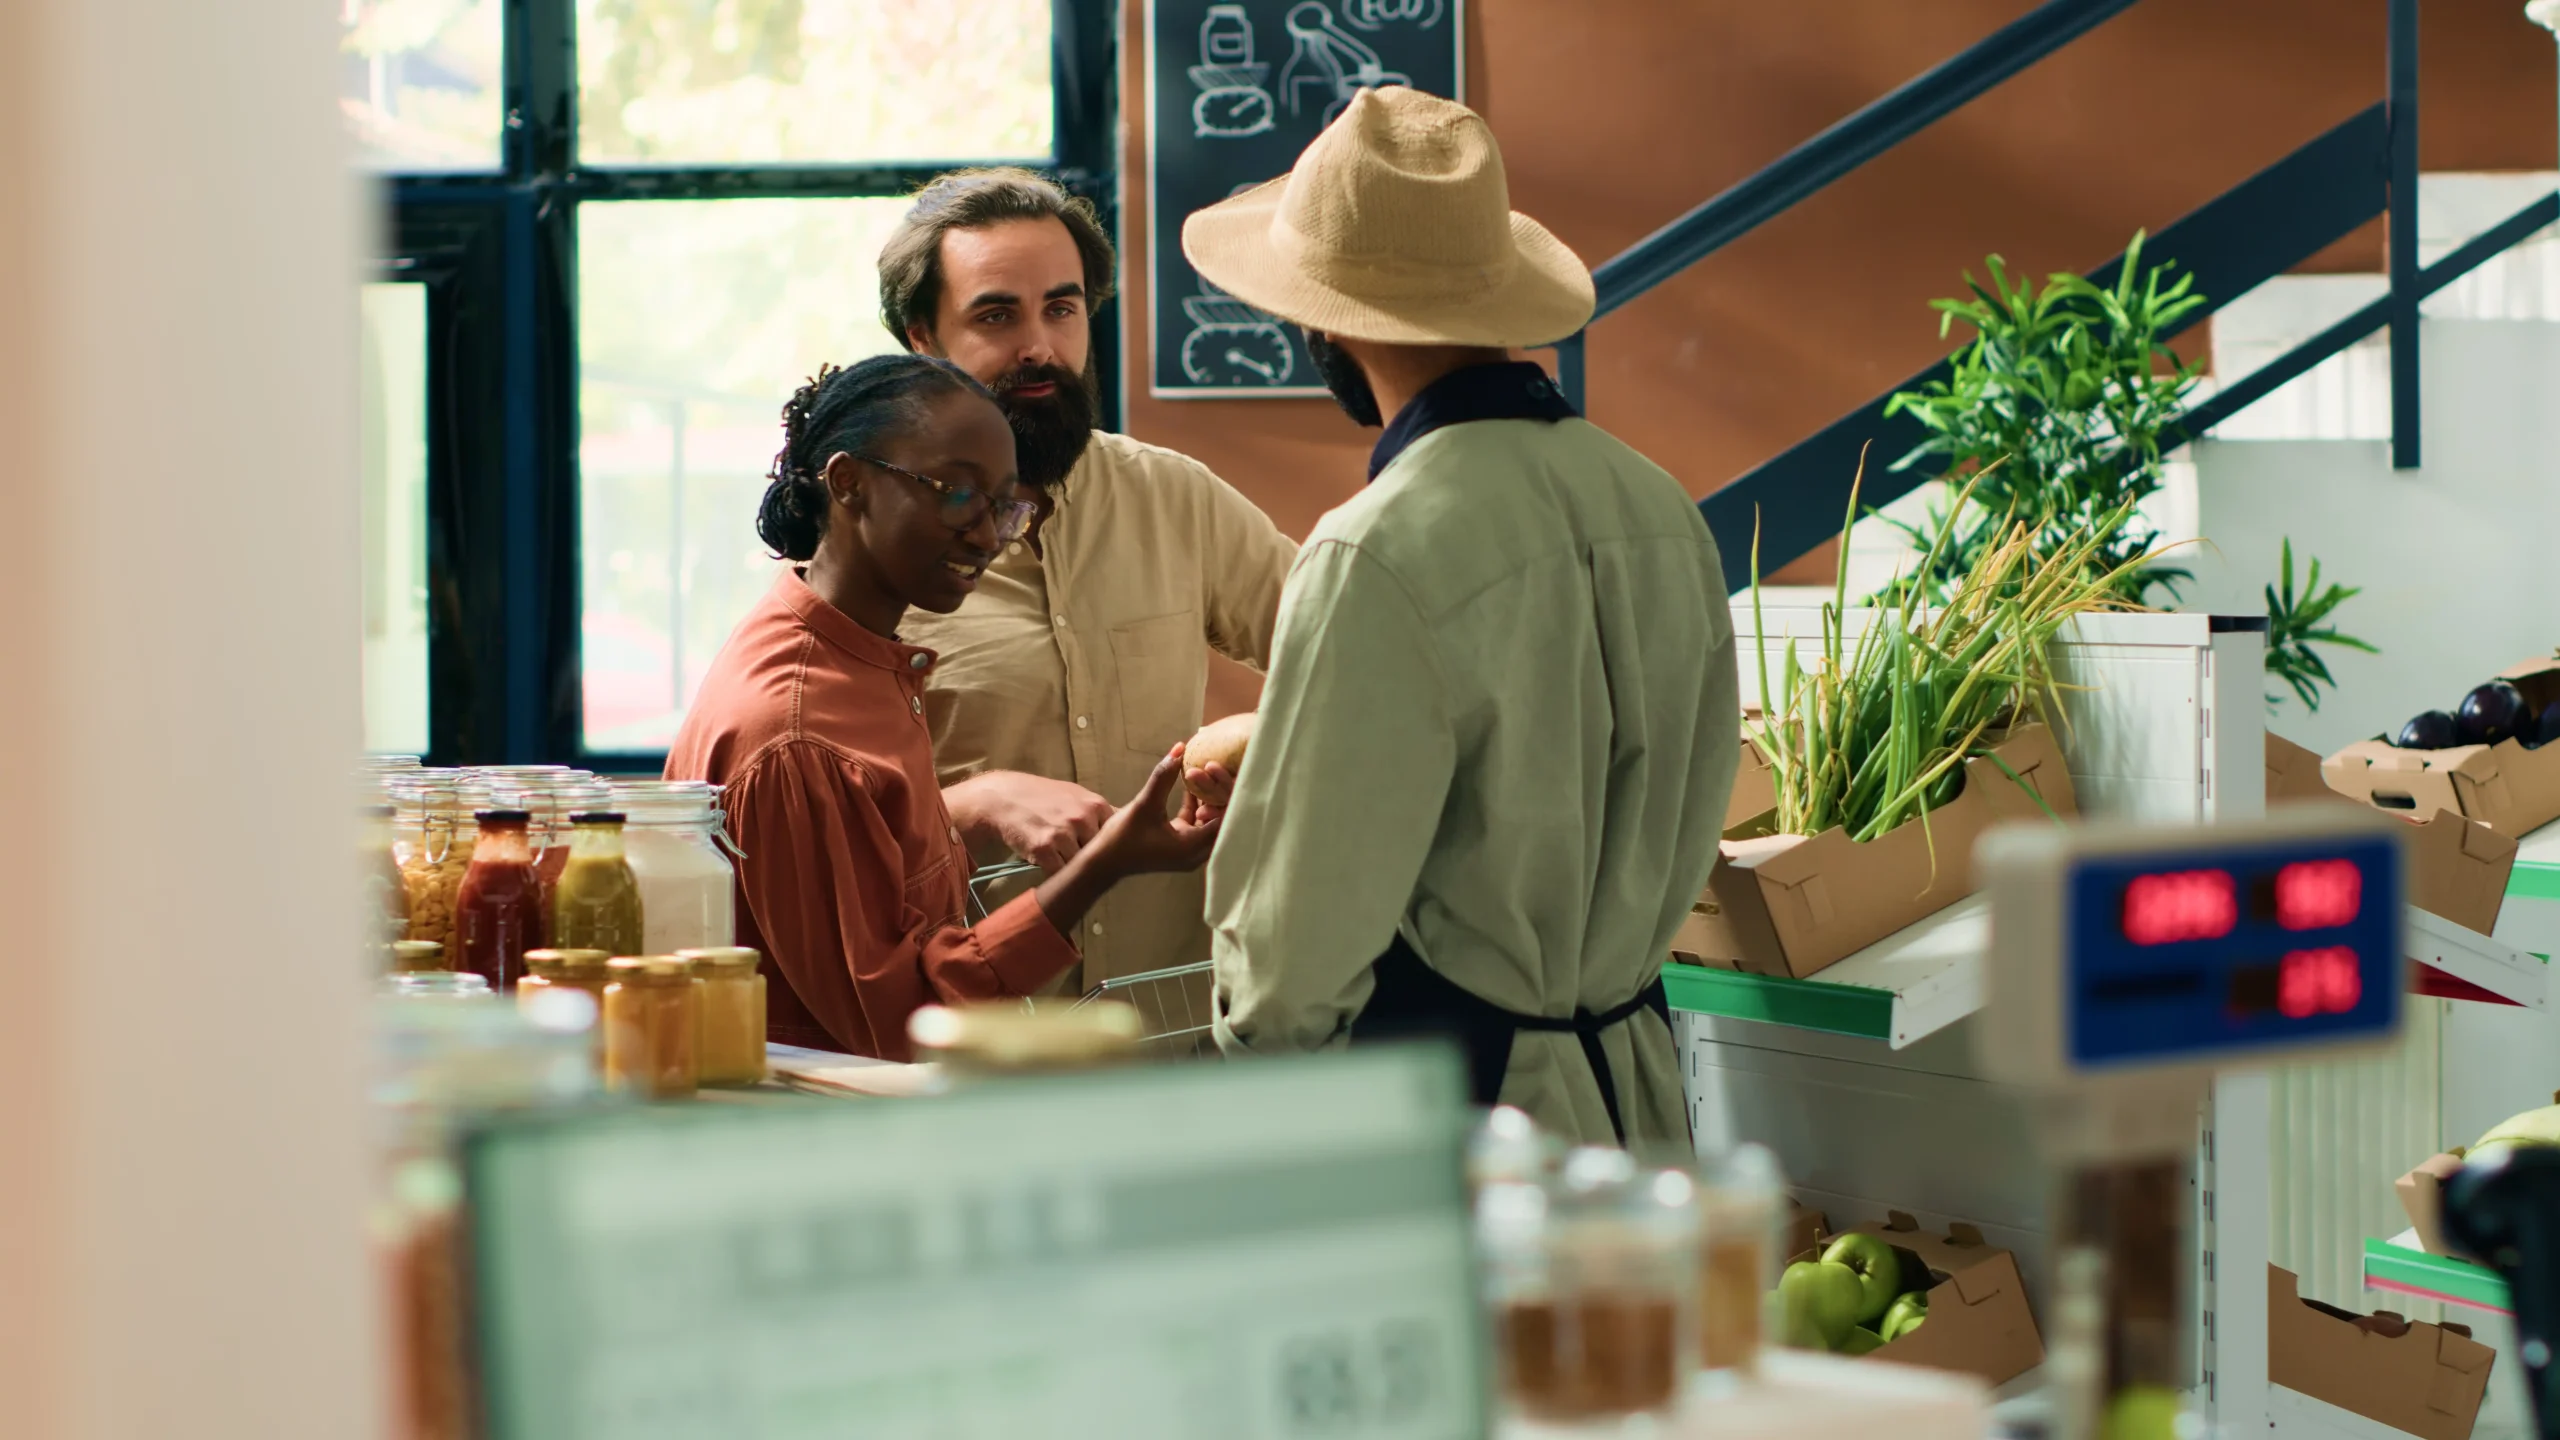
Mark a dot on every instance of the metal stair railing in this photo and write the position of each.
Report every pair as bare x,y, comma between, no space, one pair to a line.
2262,228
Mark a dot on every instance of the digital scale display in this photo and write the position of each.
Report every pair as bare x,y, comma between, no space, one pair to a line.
2263,944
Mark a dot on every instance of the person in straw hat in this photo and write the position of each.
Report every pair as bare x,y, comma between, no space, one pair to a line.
1492,758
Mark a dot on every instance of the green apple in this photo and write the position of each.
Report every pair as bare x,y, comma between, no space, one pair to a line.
2142,1412
1905,1316
1878,1268
2533,1127
1861,1341
1818,1304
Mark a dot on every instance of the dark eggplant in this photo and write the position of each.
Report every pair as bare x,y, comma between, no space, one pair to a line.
2433,730
2548,731
2491,713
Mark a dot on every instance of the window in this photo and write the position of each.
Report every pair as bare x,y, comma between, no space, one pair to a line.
642,223
392,374
696,320
739,82
420,82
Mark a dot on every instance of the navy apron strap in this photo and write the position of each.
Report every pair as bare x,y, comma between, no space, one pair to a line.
1412,1001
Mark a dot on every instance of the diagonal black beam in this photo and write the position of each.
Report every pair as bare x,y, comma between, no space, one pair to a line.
2259,229
2258,384
1845,146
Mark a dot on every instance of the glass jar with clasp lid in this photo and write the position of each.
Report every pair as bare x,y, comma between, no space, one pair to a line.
674,839
386,891
550,794
433,834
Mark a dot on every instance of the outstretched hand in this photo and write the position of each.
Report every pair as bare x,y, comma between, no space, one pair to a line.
1144,836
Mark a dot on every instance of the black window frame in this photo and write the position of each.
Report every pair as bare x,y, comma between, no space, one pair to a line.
497,251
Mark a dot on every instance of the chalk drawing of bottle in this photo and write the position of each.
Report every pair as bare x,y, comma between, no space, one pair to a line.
1378,14
1329,60
1232,103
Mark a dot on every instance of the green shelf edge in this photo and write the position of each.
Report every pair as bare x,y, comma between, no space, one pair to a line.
2460,1279
1852,1010
2534,880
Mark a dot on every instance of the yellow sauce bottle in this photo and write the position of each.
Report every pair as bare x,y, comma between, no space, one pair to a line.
596,904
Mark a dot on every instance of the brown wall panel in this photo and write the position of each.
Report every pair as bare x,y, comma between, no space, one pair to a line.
1617,115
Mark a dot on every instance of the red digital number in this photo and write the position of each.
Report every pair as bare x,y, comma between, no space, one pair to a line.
2319,982
2317,894
2182,905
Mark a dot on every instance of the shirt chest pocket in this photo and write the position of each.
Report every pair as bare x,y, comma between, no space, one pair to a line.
1162,666
937,893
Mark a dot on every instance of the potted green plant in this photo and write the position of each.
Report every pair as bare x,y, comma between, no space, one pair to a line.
2060,413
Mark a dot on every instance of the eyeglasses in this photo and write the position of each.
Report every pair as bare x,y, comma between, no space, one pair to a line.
963,507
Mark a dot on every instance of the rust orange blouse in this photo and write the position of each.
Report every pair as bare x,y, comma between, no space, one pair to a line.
852,879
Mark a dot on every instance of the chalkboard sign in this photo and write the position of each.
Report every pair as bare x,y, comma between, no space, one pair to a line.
1235,89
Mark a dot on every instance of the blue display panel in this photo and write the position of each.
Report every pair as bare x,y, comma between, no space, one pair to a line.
2233,949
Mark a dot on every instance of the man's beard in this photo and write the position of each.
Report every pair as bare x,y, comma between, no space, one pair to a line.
1050,431
1343,376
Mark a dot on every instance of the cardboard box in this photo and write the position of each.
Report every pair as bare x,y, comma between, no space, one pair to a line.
1790,905
2422,1199
2293,773
1755,787
2425,1379
2505,786
1979,1320
2458,867
1807,1229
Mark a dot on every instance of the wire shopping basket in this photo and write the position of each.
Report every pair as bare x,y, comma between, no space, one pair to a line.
1172,1003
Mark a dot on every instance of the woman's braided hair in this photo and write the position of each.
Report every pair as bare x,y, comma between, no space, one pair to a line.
849,409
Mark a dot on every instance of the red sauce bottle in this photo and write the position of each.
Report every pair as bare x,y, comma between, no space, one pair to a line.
498,915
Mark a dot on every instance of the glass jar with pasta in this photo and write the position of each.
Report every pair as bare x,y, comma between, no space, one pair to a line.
433,834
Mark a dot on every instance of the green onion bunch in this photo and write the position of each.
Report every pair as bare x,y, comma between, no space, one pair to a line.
1870,735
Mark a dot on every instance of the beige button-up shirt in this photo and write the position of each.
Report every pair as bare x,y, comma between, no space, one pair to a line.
1086,659
1501,720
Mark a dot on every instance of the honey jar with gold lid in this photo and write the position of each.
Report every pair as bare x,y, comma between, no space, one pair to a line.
729,1045
651,1010
1013,1038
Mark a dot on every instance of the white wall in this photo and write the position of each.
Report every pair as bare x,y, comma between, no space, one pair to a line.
2456,558
182,1162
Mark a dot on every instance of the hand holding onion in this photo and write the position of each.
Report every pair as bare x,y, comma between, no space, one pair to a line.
1211,761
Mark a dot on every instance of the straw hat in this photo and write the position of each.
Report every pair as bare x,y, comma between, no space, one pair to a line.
1396,226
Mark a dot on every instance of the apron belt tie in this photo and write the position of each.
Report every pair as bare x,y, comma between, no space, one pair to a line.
1413,1000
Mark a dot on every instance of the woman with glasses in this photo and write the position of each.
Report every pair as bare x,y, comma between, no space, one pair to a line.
894,489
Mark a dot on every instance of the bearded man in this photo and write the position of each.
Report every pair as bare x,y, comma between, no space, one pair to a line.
1082,656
